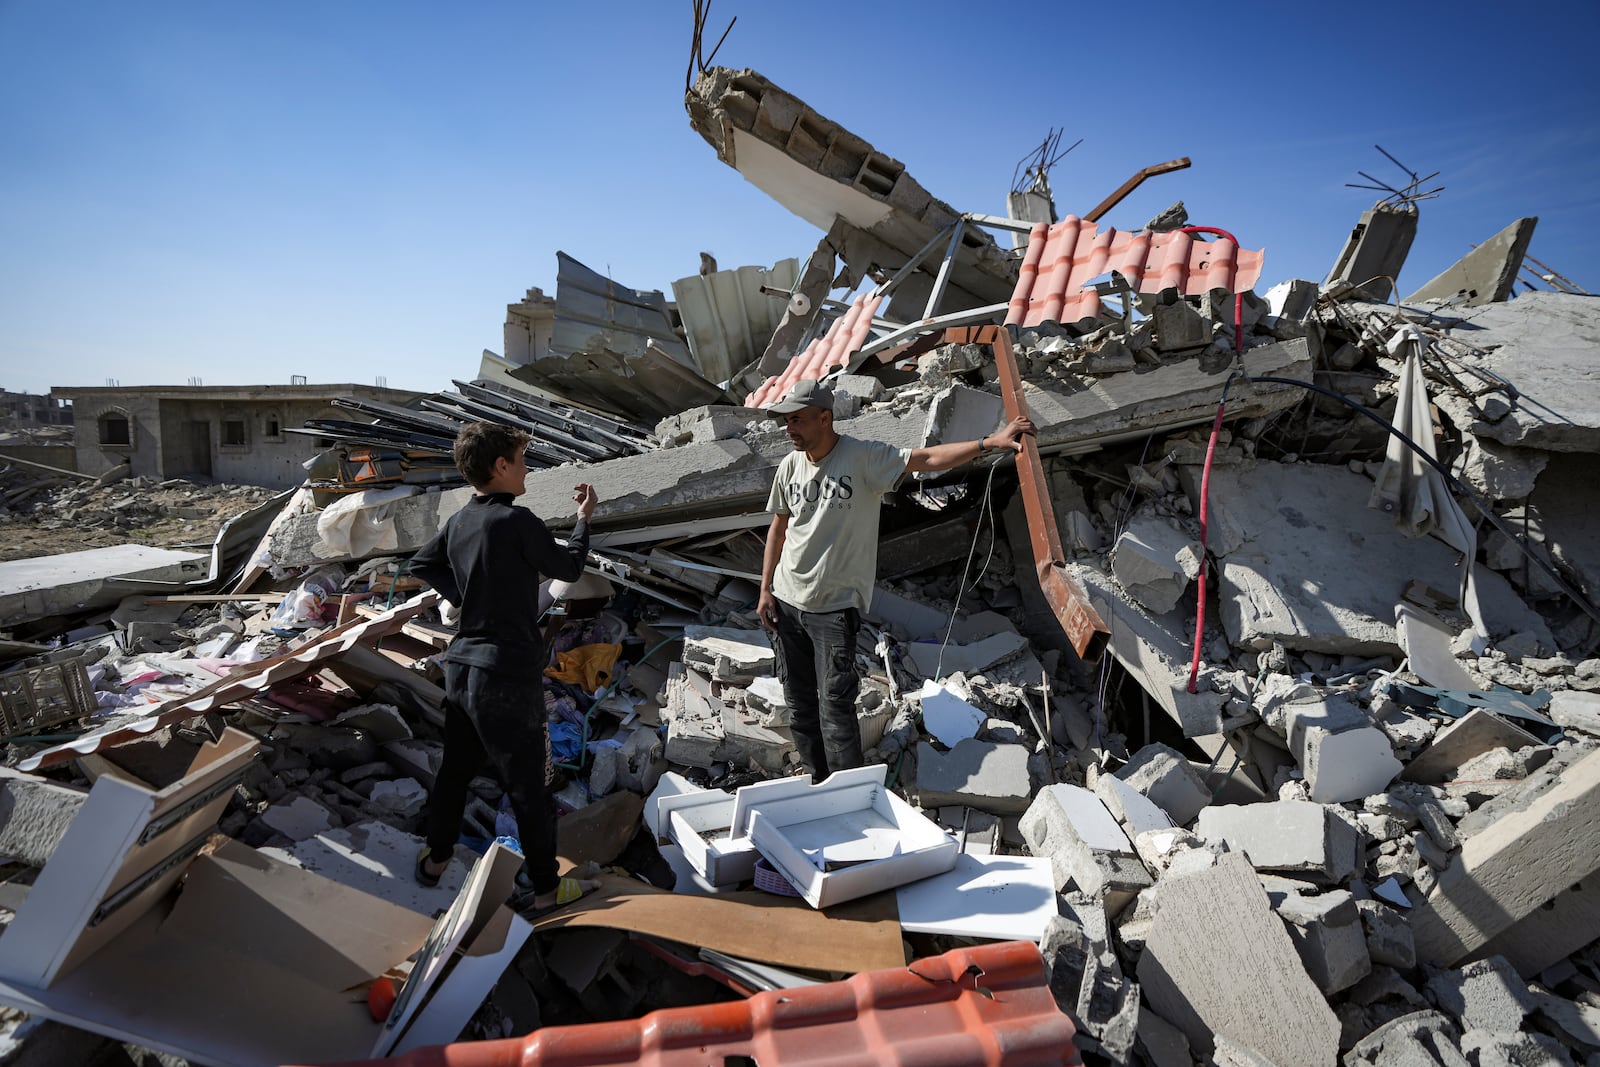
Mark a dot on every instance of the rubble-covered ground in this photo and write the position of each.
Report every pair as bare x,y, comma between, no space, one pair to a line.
42,516
1354,819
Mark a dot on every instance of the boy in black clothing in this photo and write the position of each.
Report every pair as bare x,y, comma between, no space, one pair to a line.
487,561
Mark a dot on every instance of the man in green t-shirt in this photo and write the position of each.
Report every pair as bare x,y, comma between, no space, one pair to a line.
821,559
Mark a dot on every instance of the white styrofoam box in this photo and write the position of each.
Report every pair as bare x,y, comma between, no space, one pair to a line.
699,824
848,837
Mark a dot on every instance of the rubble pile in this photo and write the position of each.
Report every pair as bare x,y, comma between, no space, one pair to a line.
43,513
1329,795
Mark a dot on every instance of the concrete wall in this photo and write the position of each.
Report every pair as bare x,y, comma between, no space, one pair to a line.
64,457
183,438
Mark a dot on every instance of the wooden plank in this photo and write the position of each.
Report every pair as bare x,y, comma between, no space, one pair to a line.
1513,867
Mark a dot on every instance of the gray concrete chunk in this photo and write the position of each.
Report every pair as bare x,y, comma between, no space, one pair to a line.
1085,845
986,775
1344,757
1168,779
34,813
1483,995
1285,835
1155,560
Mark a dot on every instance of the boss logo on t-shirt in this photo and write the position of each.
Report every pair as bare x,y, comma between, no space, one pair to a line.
819,489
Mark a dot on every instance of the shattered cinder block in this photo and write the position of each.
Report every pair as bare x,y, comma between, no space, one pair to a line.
728,654
694,728
1136,812
1389,940
1087,981
1286,835
1326,931
1483,995
1155,560
1423,1037
1218,963
1178,324
1343,755
986,775
34,813
1167,778
1085,845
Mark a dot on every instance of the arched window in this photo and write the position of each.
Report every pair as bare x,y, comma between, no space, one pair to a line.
115,427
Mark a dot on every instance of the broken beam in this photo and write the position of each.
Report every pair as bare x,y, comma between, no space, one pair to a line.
1085,629
1133,183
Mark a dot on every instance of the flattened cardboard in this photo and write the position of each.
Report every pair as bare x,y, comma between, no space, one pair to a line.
863,935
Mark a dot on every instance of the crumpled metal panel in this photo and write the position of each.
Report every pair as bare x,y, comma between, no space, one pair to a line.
245,682
1062,258
614,349
727,317
829,352
987,1006
594,312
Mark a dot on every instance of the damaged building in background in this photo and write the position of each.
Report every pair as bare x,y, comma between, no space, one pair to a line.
1250,715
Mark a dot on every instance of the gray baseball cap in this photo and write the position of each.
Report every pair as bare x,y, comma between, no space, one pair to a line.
805,393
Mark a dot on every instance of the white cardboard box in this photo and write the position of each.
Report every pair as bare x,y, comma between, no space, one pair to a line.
843,838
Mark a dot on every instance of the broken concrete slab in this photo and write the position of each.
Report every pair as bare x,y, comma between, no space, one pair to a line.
1422,1037
1485,994
1487,274
377,859
1218,962
1155,650
1085,845
1538,337
937,661
822,172
1509,870
1570,710
76,582
985,775
1305,562
1134,810
1375,250
1155,559
728,654
1343,755
1286,835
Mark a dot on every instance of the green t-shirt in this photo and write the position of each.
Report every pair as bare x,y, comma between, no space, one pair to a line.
830,555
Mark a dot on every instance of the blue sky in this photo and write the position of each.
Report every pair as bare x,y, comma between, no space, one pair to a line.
243,191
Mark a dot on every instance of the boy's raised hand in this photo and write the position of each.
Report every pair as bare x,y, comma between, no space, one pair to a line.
584,494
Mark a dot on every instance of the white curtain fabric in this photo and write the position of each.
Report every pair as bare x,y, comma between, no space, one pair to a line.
1412,491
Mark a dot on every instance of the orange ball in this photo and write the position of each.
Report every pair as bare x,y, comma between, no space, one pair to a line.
380,999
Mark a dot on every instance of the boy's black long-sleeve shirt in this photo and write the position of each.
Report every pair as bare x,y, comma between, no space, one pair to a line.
488,561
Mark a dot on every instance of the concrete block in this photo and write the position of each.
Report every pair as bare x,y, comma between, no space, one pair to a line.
694,728
1218,963
1087,981
1486,1049
1326,931
746,742
1070,825
1578,1023
963,658
1572,710
1286,835
1389,940
1179,325
34,813
1155,560
1136,812
980,774
1344,757
404,797
1161,1043
1485,994
1168,779
1375,251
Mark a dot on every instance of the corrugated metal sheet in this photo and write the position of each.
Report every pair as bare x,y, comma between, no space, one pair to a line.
727,317
829,352
1061,258
987,1006
245,682
594,313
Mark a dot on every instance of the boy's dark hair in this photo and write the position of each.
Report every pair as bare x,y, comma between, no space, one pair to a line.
479,444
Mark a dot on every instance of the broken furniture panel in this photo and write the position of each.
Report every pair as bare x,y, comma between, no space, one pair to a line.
1007,898
213,972
700,823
